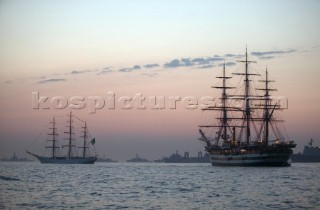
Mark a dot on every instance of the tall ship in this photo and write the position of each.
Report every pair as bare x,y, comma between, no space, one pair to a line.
68,153
310,154
244,128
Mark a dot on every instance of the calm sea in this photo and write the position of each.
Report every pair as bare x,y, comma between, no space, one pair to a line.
157,186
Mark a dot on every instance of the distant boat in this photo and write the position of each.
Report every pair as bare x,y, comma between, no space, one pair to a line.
246,130
14,158
177,158
104,159
138,159
69,158
310,154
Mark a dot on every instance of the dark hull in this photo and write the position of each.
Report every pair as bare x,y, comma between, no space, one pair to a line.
76,160
64,160
300,158
253,159
187,160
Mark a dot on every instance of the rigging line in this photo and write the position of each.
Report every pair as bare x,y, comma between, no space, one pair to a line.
39,135
275,133
77,118
282,137
255,129
241,130
260,131
285,130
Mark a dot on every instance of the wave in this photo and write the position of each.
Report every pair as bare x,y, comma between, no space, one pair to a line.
9,178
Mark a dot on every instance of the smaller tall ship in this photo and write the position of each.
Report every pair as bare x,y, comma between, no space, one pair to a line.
246,128
68,153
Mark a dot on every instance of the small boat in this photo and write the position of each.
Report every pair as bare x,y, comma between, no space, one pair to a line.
69,157
138,159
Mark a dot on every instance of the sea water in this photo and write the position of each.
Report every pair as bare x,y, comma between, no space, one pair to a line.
31,185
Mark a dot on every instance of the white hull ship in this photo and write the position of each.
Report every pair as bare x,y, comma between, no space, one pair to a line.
246,132
70,158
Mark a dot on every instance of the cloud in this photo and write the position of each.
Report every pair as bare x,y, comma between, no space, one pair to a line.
215,58
228,64
267,53
80,72
105,71
50,80
230,55
186,62
135,67
266,57
125,69
204,61
148,66
173,64
201,61
206,66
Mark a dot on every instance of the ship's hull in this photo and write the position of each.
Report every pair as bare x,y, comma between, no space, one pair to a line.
63,160
264,159
301,158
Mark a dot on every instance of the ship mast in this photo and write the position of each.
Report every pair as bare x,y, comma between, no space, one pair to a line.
85,136
247,95
266,109
70,132
53,134
224,95
224,107
267,106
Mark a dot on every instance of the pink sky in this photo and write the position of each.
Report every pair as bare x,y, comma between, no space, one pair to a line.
153,48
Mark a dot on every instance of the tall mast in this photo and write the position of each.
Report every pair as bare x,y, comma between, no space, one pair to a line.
224,98
266,109
267,106
53,134
84,139
70,135
223,125
70,132
247,95
224,108
247,101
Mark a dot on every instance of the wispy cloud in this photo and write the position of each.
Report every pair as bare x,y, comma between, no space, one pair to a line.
135,67
267,53
228,64
173,64
51,80
153,65
231,55
206,66
80,72
105,71
266,57
187,62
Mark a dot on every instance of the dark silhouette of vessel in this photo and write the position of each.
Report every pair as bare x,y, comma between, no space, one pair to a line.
246,128
138,159
56,156
310,154
177,158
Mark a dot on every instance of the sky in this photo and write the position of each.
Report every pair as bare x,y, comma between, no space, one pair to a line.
154,48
